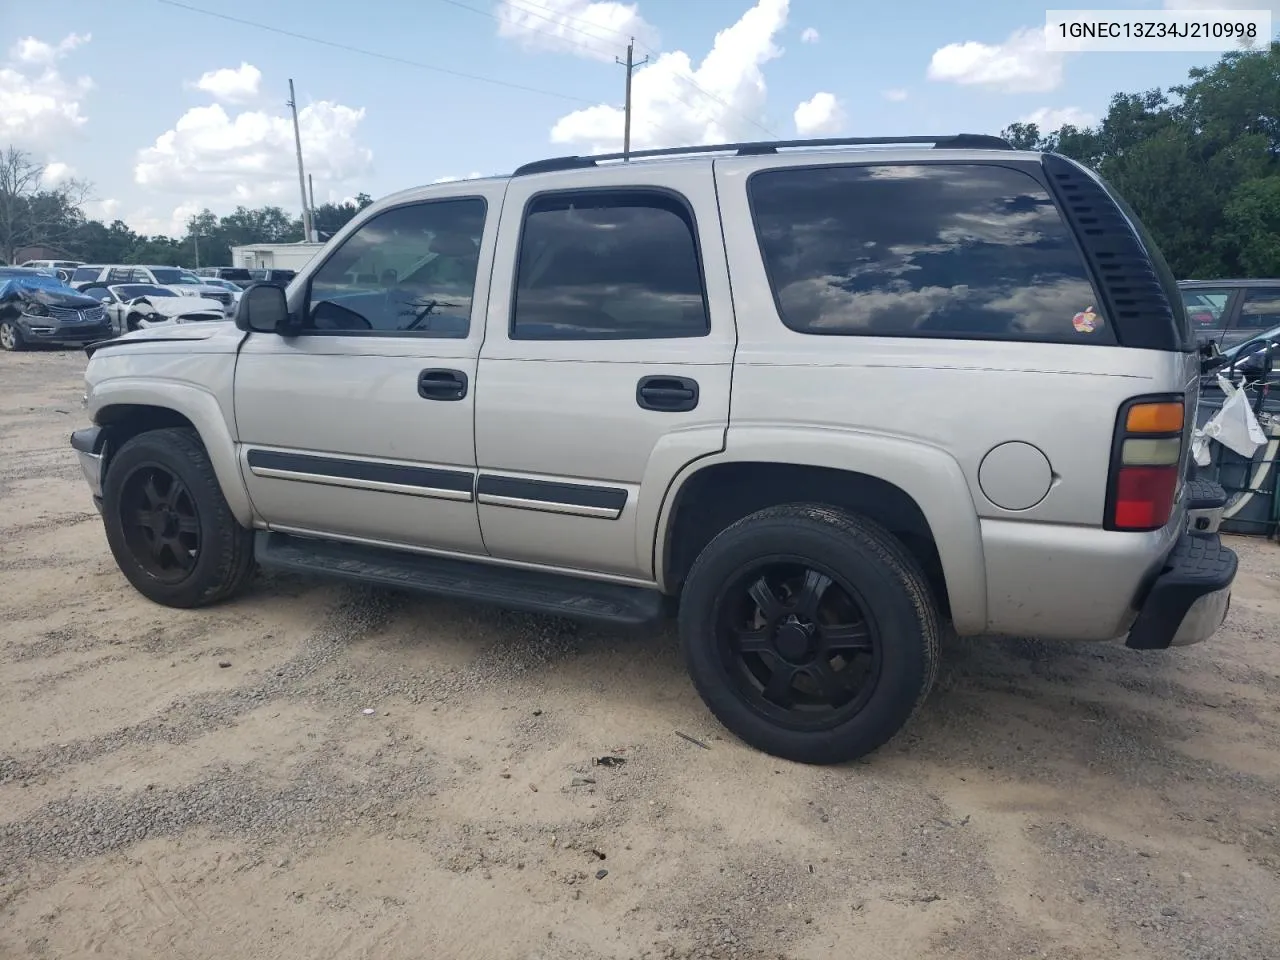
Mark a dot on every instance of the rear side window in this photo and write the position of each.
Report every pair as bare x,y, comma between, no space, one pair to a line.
1206,309
1260,309
609,265
959,251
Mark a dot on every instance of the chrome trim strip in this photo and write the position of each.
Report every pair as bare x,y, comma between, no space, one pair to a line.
434,493
545,506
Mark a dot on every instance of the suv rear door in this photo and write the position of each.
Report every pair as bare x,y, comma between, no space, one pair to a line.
606,362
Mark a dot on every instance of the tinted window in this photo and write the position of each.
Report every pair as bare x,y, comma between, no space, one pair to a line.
134,290
120,275
1206,309
85,274
608,266
1260,309
98,293
938,250
409,269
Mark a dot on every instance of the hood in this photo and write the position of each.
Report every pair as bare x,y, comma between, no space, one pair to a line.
52,297
174,333
180,306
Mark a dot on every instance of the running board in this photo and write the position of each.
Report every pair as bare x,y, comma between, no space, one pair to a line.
517,589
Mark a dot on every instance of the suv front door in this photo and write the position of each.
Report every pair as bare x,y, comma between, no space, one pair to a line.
606,363
361,425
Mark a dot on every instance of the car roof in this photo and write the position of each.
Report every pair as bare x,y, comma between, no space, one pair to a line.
961,146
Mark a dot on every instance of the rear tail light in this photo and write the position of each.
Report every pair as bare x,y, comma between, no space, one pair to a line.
1146,463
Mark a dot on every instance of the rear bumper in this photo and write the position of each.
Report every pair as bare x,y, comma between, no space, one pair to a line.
90,445
1189,598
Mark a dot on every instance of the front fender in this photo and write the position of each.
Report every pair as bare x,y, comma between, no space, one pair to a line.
198,406
930,476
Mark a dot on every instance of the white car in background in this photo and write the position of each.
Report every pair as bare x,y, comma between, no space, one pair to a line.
136,306
183,281
232,288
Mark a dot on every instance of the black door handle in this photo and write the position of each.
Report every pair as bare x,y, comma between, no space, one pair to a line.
442,384
667,394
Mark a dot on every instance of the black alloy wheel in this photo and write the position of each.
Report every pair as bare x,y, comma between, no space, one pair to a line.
810,632
798,642
161,523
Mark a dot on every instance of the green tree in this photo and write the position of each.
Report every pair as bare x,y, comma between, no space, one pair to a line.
32,213
1200,164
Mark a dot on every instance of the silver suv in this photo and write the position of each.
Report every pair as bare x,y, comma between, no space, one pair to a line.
820,400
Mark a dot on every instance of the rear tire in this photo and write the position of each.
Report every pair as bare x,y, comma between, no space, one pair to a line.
11,337
168,525
810,632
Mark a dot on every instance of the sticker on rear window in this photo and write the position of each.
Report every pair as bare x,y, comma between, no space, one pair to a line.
1086,321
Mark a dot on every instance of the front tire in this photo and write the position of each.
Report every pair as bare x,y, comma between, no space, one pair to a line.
810,632
11,337
169,526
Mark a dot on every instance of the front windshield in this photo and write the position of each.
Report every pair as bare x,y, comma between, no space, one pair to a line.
131,291
174,275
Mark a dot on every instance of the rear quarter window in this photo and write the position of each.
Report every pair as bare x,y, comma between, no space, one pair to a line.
946,250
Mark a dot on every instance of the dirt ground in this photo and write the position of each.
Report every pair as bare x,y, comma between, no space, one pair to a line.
213,785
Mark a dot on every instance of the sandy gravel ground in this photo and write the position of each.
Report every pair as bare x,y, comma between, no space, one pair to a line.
208,785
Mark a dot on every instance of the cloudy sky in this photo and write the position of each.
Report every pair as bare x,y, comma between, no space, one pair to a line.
168,107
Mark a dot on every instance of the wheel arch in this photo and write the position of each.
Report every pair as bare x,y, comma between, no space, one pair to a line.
917,491
125,411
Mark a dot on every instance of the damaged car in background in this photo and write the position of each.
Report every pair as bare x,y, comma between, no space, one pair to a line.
135,306
38,308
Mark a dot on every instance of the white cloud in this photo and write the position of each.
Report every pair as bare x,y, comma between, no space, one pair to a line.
55,172
820,116
810,35
29,50
1050,119
218,160
473,175
104,210
1021,64
151,223
39,107
896,95
599,30
231,84
674,104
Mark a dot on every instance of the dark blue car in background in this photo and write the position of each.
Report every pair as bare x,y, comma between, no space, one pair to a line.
38,308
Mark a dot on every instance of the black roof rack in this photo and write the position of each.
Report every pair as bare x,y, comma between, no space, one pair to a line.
954,141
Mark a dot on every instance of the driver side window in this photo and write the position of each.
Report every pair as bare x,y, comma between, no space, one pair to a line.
408,271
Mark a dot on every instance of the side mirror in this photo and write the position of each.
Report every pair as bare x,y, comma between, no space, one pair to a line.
106,300
262,309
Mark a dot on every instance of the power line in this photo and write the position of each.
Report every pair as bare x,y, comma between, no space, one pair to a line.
372,53
559,17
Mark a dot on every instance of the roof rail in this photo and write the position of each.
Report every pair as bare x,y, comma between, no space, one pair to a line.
955,141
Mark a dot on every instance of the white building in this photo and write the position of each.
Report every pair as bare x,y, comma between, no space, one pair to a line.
281,256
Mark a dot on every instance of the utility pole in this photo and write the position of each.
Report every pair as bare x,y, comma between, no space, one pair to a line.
311,197
195,238
302,183
631,65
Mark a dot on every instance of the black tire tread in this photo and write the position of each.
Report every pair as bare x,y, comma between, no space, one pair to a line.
842,528
235,563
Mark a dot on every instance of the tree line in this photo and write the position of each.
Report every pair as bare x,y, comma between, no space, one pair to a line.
1199,163
35,215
